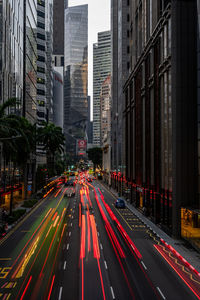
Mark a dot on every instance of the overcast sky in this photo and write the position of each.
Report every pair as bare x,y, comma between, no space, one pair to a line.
98,20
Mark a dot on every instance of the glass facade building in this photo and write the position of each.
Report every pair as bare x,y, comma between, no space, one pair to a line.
11,50
101,69
76,74
161,110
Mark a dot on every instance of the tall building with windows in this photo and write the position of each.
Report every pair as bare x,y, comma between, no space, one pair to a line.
41,65
161,111
44,67
58,32
49,54
11,50
119,72
101,69
76,75
30,61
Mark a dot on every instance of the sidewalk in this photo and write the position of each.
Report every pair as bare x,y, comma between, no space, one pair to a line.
190,254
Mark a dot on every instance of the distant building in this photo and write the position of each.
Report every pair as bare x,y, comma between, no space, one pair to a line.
89,123
58,96
58,33
75,75
105,105
101,69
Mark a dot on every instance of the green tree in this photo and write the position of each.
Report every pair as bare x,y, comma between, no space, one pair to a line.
53,140
95,154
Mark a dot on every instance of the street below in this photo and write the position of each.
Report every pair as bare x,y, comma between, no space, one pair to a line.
82,247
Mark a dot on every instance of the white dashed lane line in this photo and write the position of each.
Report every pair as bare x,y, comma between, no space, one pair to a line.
67,246
144,265
60,293
105,265
70,233
112,292
64,267
71,224
161,293
101,246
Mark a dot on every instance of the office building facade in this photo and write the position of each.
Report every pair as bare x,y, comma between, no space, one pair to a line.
119,73
160,110
105,116
58,96
11,51
75,75
30,61
101,69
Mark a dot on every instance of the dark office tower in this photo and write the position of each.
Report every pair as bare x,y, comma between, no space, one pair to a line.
11,50
76,75
58,32
30,60
119,72
89,123
101,69
161,111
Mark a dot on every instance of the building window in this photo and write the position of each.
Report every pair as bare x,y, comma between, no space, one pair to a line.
41,80
41,25
41,58
40,47
40,92
41,70
41,36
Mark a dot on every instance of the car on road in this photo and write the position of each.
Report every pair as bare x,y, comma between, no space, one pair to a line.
89,179
120,203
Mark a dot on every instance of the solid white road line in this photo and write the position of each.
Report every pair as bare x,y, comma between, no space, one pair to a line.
143,265
105,265
161,293
60,293
113,295
64,267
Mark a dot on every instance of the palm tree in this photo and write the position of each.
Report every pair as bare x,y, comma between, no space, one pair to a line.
18,141
53,140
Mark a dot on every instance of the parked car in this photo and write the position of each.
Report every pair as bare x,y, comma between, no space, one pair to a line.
120,203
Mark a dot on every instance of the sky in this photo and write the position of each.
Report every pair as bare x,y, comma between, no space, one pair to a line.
98,20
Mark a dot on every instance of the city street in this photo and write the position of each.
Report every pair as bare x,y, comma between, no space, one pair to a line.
84,248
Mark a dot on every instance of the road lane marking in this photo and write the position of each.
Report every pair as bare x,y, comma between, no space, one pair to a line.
71,224
143,265
60,293
105,265
101,246
67,246
70,233
9,258
161,293
64,267
112,292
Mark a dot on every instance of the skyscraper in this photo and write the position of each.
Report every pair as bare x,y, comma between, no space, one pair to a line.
101,69
11,50
30,60
76,75
161,111
58,32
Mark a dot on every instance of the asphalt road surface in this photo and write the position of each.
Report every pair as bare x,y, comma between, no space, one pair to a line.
82,247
